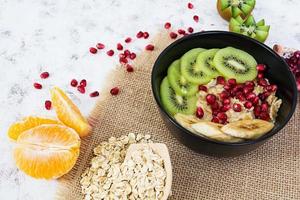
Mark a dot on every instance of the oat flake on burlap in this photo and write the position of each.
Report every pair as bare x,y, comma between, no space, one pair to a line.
270,172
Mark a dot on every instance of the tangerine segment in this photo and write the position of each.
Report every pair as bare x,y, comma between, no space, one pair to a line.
28,122
47,151
68,113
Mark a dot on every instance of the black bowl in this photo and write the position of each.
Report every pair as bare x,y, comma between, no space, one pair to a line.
278,73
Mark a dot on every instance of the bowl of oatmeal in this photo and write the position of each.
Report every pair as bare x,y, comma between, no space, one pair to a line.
221,93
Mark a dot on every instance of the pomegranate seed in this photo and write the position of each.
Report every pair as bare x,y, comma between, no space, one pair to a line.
199,112
196,18
261,67
271,88
202,88
248,104
127,53
249,84
123,60
257,111
48,104
262,82
190,6
129,68
100,46
149,47
114,91
215,106
226,101
247,90
119,47
225,108
167,25
264,116
83,83
237,107
110,52
44,75
223,122
190,30
132,56
122,55
240,97
173,35
222,116
227,87
215,120
224,95
264,96
81,89
221,80
255,101
140,34
260,75
37,86
128,40
211,99
215,112
264,107
181,31
232,82
74,82
93,50
94,94
145,35
250,96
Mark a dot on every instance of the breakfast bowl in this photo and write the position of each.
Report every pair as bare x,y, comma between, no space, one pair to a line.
277,72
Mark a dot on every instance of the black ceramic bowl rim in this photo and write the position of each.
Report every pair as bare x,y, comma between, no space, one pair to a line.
247,142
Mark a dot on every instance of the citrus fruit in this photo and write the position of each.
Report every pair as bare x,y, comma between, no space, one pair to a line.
68,113
47,151
27,123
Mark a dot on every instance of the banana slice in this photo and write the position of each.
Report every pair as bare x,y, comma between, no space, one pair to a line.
248,129
186,121
213,131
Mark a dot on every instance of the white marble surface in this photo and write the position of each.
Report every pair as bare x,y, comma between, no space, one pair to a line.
54,36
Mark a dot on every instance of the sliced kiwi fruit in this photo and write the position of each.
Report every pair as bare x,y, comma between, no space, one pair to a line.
190,70
175,103
233,8
205,61
178,82
249,27
235,63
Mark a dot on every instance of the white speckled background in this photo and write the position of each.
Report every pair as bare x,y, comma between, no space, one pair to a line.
55,36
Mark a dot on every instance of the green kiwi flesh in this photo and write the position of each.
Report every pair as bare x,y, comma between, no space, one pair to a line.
235,63
238,7
178,82
175,103
190,70
205,62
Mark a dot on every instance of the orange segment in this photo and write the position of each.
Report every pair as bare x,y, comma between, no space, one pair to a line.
68,113
47,151
29,122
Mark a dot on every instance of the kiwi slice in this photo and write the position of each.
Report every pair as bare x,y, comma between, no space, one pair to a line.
235,63
249,27
190,70
234,8
178,82
205,61
175,103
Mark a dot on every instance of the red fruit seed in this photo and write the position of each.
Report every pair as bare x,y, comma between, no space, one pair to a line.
119,47
232,82
110,52
129,68
248,104
237,107
226,101
260,75
37,86
181,31
48,104
167,25
100,46
196,18
140,34
221,80
190,6
44,75
199,112
74,83
114,91
222,116
81,89
93,50
215,120
190,30
211,99
94,94
145,35
261,67
132,56
123,60
128,40
202,88
127,53
173,35
149,47
83,83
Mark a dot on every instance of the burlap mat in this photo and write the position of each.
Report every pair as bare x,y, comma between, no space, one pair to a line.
270,172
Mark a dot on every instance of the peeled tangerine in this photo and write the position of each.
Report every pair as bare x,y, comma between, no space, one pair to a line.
68,113
29,122
47,151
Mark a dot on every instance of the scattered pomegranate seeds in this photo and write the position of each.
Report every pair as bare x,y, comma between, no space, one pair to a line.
114,91
44,75
140,34
167,25
237,107
196,18
129,68
74,83
128,40
190,6
190,30
123,60
37,86
202,88
181,31
260,75
119,47
149,47
127,53
93,50
94,94
122,55
110,52
145,35
81,89
173,35
100,46
261,67
83,83
132,56
199,112
48,104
